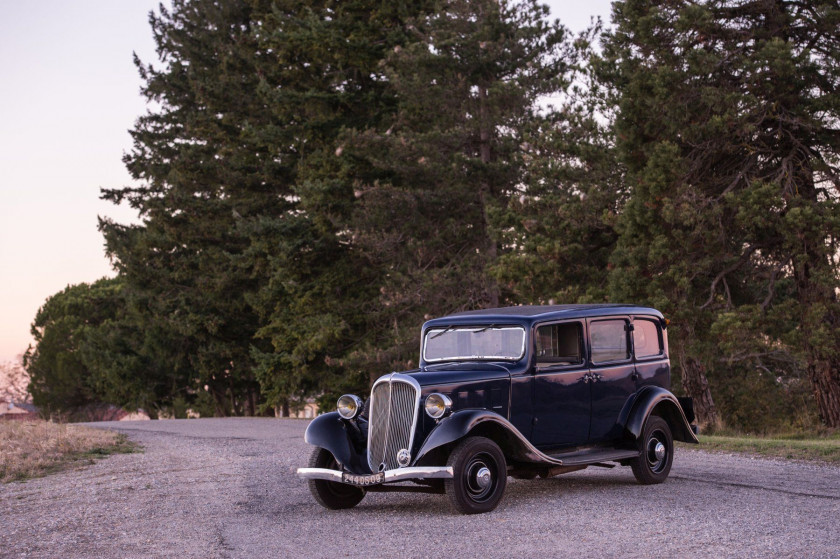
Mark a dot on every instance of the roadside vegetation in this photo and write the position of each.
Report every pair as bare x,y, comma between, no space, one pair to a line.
312,183
814,447
31,449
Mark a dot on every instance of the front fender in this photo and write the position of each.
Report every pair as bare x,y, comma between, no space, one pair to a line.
330,432
665,404
487,424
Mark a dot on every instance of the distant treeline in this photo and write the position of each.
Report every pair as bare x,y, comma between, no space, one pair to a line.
317,178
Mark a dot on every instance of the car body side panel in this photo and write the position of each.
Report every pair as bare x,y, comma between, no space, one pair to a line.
466,422
477,393
656,372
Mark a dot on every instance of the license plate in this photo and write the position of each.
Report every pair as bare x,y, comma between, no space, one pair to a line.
371,479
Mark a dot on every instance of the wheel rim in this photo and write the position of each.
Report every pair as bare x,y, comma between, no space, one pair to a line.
657,451
481,477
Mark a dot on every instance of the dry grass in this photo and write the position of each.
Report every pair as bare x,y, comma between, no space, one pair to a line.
36,448
815,448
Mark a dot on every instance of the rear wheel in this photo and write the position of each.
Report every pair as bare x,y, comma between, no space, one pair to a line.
480,476
331,494
656,452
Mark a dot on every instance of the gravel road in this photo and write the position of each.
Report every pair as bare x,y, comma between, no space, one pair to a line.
226,488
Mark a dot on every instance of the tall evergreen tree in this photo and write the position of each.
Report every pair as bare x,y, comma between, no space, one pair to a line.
450,159
727,123
559,229
323,77
204,175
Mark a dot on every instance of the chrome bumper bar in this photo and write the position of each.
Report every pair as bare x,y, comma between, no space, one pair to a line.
400,474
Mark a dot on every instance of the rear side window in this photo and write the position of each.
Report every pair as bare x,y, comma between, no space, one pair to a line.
646,338
559,343
609,341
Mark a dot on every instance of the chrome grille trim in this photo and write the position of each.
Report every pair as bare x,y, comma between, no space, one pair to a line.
394,407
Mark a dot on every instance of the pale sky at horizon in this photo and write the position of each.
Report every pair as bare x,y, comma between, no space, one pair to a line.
68,96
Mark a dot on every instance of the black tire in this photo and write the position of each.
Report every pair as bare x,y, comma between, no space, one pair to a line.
330,494
480,476
652,467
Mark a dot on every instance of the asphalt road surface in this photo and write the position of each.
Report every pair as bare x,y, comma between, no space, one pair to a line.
227,488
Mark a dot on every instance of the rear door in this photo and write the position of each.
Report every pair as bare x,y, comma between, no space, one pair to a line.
611,375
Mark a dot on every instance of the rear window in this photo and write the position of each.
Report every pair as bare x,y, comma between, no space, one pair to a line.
646,340
609,341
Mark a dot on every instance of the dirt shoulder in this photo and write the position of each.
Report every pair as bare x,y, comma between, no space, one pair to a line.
227,488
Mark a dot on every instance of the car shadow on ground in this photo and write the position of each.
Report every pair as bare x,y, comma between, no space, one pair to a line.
518,492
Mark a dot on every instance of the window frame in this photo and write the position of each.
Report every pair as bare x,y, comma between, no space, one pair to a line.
453,327
582,332
659,335
627,339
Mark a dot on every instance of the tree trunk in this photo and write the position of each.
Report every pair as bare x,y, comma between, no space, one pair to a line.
251,409
825,381
696,385
485,138
819,324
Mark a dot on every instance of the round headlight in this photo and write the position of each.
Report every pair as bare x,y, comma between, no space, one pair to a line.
349,406
437,405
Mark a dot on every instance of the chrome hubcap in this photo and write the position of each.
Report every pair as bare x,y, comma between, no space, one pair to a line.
659,451
480,477
483,477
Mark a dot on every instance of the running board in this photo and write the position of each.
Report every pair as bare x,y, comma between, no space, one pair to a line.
590,457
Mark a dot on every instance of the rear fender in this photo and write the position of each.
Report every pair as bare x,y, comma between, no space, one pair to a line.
659,401
331,432
488,424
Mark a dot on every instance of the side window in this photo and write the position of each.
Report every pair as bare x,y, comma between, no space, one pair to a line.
646,338
609,341
559,343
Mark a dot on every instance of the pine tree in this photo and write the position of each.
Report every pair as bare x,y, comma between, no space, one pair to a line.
323,77
450,159
559,229
204,176
727,117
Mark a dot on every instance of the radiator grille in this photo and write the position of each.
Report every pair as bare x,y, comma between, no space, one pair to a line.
392,419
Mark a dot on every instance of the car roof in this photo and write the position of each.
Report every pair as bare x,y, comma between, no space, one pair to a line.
535,313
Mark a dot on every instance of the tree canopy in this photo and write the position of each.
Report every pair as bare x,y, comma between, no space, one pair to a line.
316,178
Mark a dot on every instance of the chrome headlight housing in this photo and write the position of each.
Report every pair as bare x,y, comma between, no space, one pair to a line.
438,405
349,406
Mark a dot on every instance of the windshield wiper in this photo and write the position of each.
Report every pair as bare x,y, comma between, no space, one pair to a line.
486,328
448,328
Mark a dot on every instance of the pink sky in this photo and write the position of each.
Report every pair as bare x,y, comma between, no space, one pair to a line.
69,93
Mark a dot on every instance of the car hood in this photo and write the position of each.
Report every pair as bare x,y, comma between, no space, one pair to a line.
458,373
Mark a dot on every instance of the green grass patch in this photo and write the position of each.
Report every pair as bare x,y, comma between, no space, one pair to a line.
825,448
31,449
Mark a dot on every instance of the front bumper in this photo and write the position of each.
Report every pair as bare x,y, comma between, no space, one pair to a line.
400,474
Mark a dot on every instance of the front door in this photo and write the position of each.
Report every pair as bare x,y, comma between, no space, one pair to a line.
611,375
561,391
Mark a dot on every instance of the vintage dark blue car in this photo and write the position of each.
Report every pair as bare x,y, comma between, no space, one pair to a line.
520,391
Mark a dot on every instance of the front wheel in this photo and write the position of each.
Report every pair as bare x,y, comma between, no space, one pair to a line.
331,494
656,452
480,476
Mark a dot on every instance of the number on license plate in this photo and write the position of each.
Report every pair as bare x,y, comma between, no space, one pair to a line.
354,479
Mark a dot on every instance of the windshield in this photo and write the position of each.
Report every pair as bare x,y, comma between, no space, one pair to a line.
474,342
